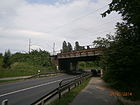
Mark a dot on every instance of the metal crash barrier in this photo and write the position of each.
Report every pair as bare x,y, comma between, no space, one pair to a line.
65,84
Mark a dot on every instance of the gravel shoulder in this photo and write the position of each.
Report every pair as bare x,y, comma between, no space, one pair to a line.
96,93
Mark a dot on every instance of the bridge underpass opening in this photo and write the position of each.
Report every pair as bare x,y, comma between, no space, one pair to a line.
88,65
72,64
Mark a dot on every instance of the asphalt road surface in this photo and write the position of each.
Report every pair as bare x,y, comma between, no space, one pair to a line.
28,91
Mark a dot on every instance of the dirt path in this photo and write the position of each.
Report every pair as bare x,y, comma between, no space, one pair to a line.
96,93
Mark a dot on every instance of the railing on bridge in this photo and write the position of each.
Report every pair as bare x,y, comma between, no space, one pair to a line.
81,53
87,47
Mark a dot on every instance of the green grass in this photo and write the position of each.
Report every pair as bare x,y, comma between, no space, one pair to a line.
69,97
5,81
23,69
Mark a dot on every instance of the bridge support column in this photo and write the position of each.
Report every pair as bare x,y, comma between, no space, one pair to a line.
64,65
74,66
68,66
54,60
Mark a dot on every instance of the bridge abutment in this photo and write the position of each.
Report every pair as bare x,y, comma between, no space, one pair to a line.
74,66
67,65
64,65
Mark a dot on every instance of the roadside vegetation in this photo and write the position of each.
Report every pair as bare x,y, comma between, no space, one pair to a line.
89,65
23,64
7,81
121,58
68,97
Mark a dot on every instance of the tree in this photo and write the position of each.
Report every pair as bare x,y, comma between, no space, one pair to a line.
19,57
69,47
103,42
6,59
40,57
121,60
0,54
64,47
77,46
129,9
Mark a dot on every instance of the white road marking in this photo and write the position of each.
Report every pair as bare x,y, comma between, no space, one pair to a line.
29,88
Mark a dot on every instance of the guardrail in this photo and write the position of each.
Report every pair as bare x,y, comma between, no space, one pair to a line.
5,102
43,74
63,86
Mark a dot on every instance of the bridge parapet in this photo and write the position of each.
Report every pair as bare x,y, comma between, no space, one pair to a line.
81,53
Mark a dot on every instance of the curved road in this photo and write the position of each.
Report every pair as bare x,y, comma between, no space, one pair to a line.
28,91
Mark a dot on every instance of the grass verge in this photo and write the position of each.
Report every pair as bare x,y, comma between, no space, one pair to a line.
7,81
23,69
68,97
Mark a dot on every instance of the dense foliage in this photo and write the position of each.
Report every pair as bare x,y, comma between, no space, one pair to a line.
7,59
122,55
67,47
35,57
64,47
78,47
22,64
89,65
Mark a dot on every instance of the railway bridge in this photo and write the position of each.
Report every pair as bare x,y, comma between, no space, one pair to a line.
69,61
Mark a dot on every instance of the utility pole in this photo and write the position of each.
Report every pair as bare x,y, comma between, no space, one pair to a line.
53,48
29,45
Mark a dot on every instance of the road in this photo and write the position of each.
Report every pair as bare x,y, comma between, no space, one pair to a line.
28,91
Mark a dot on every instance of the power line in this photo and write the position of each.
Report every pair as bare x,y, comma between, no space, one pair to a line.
53,48
29,45
78,18
81,17
101,25
50,46
107,22
99,32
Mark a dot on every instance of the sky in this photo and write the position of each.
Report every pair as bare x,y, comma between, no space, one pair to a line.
52,21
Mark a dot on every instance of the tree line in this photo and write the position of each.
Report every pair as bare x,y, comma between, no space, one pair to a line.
41,58
67,47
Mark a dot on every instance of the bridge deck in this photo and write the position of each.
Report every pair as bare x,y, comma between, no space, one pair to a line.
81,53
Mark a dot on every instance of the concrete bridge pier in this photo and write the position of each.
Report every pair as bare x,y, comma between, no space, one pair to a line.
74,66
68,66
64,65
